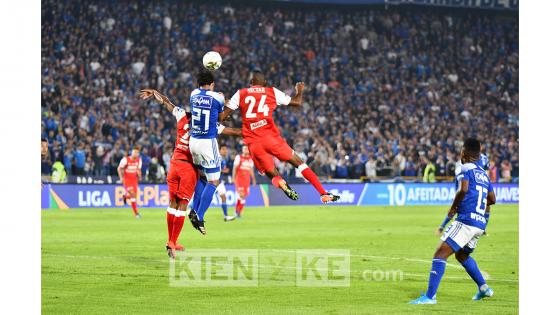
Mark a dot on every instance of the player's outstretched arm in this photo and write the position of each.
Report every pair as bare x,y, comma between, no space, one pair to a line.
225,114
146,94
232,132
297,100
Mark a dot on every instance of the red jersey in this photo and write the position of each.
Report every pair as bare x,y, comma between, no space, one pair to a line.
257,104
131,167
243,166
182,151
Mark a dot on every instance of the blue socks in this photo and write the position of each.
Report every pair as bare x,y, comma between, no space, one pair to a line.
198,189
438,269
205,200
224,209
473,271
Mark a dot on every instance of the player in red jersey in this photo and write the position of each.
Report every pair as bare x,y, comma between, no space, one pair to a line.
263,138
182,176
129,170
242,175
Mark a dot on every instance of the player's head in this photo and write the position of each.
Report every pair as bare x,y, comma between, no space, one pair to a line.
44,147
257,78
483,161
205,80
471,151
135,152
245,150
223,150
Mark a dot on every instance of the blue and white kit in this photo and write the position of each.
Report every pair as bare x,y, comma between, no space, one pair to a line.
470,222
206,105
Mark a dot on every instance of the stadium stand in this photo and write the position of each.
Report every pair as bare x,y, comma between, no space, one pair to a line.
378,81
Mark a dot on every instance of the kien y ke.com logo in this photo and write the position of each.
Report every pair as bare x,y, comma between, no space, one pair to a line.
252,268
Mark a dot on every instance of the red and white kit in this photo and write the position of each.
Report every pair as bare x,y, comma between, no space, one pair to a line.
243,169
130,173
183,175
260,134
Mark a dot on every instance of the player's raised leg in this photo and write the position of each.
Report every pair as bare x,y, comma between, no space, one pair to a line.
312,178
264,164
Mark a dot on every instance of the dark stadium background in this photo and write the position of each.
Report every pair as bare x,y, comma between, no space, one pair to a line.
428,77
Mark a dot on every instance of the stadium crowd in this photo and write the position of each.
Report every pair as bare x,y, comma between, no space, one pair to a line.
389,91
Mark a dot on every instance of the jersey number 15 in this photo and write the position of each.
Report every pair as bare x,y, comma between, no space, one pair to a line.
481,203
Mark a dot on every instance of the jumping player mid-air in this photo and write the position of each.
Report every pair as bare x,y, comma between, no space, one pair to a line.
206,105
129,170
260,134
242,175
470,203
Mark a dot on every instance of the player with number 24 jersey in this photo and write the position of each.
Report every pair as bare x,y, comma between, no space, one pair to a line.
257,104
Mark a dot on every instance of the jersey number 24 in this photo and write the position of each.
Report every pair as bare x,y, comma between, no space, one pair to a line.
262,108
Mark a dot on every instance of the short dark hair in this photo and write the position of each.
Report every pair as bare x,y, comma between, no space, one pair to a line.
472,146
258,76
204,77
44,140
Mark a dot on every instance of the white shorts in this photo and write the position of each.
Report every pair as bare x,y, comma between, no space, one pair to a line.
458,235
221,189
206,156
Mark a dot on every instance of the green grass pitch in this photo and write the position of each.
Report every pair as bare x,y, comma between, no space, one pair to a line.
104,261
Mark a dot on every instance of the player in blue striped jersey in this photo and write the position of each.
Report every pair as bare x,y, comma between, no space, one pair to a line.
474,194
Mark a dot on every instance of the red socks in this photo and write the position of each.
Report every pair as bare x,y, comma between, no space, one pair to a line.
170,218
177,225
239,206
312,178
277,181
133,204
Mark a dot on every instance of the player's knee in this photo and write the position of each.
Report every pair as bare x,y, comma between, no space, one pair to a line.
223,197
443,251
272,173
296,160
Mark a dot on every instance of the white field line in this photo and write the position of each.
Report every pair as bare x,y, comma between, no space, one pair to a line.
264,266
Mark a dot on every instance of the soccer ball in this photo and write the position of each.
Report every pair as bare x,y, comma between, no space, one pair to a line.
212,60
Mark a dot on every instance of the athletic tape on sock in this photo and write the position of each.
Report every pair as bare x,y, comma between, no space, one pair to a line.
302,167
180,213
171,210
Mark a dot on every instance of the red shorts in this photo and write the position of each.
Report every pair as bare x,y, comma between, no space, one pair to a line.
242,186
262,152
181,180
130,184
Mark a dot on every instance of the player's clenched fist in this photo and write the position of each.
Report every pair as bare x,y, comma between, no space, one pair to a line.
300,86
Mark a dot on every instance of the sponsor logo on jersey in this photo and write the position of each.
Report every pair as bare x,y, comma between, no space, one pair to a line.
202,101
480,177
256,90
258,124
